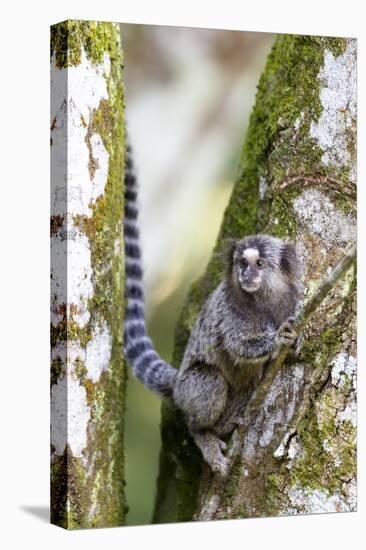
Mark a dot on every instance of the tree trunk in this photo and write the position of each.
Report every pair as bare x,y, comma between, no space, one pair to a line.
88,374
297,181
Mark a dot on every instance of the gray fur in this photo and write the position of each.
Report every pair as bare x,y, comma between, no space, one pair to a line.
238,330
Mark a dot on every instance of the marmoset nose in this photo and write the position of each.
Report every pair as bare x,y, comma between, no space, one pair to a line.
251,275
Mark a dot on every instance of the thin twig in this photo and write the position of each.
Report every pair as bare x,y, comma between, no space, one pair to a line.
310,180
213,497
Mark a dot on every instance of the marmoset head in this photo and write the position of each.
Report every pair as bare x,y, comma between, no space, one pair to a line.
263,263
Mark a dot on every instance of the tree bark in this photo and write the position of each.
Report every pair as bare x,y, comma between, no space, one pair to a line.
296,181
88,373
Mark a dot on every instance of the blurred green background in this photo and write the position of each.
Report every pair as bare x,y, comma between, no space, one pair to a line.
189,93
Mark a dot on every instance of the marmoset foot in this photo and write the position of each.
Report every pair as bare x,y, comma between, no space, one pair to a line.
211,448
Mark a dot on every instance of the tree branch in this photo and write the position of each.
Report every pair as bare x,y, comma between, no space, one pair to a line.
216,487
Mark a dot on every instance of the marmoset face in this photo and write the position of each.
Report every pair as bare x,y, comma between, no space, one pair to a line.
249,268
263,263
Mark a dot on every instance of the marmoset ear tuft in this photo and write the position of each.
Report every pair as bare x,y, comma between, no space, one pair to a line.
289,261
229,247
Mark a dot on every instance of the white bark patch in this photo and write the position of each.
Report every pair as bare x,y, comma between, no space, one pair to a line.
86,87
339,102
344,373
271,415
71,273
316,501
263,186
70,416
290,450
344,370
79,277
98,353
293,449
281,449
319,215
298,122
349,414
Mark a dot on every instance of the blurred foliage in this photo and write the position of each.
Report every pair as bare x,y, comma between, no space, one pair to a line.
189,93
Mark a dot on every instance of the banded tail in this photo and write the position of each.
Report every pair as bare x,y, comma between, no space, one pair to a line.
145,362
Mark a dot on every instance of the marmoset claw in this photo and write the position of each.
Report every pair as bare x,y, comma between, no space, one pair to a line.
220,464
286,334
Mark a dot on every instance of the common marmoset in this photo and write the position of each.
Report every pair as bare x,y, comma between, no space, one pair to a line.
239,329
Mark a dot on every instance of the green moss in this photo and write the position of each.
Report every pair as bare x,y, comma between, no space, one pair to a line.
68,492
231,487
281,99
273,148
283,222
68,38
317,468
59,478
80,370
273,491
342,203
56,370
56,224
68,329
317,349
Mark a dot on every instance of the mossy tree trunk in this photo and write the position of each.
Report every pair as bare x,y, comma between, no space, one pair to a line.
297,181
87,368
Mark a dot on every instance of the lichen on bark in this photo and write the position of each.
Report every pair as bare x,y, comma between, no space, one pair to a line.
295,181
88,372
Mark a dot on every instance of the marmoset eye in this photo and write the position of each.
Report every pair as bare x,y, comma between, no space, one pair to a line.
244,263
260,263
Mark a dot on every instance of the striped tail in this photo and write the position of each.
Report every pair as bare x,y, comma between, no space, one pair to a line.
146,364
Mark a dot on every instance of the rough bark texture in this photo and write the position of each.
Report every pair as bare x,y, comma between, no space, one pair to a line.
87,369
297,180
